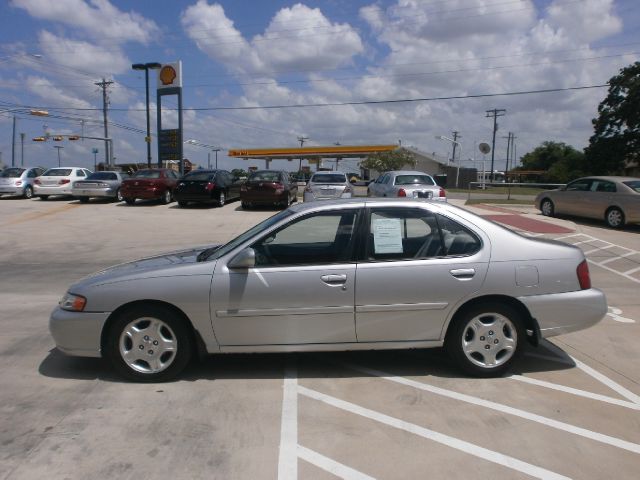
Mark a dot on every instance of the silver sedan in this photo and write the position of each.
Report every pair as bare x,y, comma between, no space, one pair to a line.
406,183
357,274
327,186
99,184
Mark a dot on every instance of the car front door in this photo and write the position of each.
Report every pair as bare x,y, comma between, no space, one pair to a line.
571,200
417,266
300,291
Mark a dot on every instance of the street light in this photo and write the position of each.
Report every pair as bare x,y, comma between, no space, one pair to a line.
146,67
442,137
58,147
204,145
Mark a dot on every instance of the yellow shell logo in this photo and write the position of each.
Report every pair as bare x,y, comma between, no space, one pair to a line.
167,75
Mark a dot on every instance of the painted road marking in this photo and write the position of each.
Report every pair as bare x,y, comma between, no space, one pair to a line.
331,466
616,314
35,216
566,427
466,447
288,458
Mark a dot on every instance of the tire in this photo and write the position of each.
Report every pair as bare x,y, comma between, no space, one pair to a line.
245,205
486,339
83,199
166,341
130,201
547,208
166,197
221,199
119,196
28,192
44,197
182,204
614,218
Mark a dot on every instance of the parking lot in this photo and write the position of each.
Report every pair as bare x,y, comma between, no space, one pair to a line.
570,408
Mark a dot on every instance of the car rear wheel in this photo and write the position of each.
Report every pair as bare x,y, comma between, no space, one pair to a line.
614,218
130,201
245,205
44,197
182,204
547,208
166,197
28,192
486,339
221,199
83,199
149,344
119,196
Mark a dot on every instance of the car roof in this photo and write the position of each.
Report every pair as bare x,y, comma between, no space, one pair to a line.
372,202
611,178
408,172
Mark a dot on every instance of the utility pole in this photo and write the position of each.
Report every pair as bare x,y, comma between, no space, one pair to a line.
58,147
13,143
456,135
108,154
22,149
495,113
508,151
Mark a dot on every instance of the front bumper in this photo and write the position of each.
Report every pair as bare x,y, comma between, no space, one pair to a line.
560,313
77,333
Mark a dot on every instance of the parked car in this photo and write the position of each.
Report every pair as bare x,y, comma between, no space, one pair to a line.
58,181
18,181
327,186
268,187
208,186
616,200
428,275
406,183
100,184
150,184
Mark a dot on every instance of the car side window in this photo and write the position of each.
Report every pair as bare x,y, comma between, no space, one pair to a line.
457,239
603,186
402,234
80,173
32,174
387,179
317,239
579,186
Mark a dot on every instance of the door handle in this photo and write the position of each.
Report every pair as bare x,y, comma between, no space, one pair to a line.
334,279
463,273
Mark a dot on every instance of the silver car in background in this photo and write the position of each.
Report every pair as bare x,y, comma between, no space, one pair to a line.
616,200
18,181
328,186
407,184
358,274
58,181
99,184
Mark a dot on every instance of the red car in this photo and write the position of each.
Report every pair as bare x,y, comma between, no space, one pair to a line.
150,184
268,187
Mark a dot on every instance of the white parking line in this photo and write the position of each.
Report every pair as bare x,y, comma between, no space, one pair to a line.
613,270
288,457
633,270
566,427
607,381
608,260
598,249
331,466
470,448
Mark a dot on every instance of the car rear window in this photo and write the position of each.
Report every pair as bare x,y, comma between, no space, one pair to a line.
103,176
147,174
264,177
329,178
633,185
57,172
199,176
414,180
12,172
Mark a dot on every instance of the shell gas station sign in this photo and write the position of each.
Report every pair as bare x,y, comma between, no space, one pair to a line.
170,75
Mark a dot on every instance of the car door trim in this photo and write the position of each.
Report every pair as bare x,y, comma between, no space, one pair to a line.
264,312
401,307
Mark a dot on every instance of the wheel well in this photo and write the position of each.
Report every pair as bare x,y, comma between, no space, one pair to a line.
530,323
197,339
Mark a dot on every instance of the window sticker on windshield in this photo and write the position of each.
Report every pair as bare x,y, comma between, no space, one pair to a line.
387,235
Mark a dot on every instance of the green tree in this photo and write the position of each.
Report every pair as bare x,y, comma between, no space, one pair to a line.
238,172
560,161
616,139
386,161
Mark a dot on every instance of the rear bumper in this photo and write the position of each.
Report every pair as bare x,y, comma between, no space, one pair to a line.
264,198
52,190
311,197
191,197
560,313
93,192
77,333
145,194
11,190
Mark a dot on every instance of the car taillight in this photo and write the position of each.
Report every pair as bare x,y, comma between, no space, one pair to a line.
348,190
37,182
63,181
442,193
18,183
210,186
279,187
402,193
243,188
583,275
307,188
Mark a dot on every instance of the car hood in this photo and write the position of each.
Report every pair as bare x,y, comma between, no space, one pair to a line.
165,265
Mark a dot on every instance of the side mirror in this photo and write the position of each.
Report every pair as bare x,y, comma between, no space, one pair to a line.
245,259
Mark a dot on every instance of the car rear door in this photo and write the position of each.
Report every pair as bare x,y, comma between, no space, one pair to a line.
301,290
416,267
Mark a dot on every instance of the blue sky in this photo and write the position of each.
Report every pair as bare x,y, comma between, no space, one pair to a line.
244,53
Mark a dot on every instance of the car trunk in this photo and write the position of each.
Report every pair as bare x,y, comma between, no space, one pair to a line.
328,190
194,186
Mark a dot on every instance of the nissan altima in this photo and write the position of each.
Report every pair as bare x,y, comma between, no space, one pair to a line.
338,275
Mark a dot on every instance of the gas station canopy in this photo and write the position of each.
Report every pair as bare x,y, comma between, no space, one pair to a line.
318,153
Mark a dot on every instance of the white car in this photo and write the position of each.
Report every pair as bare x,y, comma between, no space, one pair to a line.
327,186
19,181
58,181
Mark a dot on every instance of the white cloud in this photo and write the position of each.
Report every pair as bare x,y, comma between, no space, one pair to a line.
97,18
46,90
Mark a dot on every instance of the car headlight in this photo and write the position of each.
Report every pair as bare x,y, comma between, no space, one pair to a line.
73,303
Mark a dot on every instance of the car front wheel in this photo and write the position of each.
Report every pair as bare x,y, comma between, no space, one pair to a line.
546,207
166,197
28,192
486,339
614,218
130,201
221,199
149,344
119,196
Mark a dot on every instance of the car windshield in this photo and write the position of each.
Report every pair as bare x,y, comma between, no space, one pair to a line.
147,174
199,176
414,180
12,172
217,252
103,176
633,185
264,177
329,178
57,172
